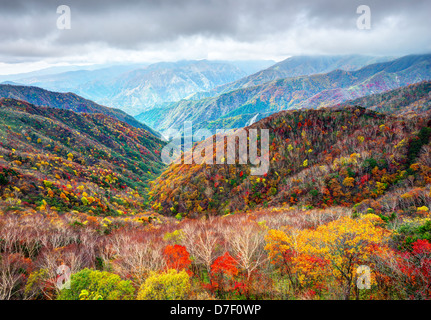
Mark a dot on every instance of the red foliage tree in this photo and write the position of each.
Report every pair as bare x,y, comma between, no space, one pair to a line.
225,264
223,271
177,257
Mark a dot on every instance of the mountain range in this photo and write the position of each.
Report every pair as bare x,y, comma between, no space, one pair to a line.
408,100
348,184
238,107
65,147
294,67
135,88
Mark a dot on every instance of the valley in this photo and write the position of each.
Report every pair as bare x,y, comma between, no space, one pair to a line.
84,186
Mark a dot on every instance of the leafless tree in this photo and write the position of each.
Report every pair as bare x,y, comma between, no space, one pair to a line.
11,275
201,239
247,242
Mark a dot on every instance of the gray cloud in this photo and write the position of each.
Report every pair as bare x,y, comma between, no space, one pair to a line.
28,28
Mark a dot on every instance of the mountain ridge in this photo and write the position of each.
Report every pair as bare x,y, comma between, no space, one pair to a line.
58,160
70,101
296,66
130,87
313,91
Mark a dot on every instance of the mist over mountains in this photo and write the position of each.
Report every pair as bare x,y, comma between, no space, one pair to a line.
135,88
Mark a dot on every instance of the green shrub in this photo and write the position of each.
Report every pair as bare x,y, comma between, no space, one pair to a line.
102,284
3,180
411,231
369,164
351,173
314,192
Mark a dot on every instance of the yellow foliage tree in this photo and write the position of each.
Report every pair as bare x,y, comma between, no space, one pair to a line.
349,182
341,245
170,285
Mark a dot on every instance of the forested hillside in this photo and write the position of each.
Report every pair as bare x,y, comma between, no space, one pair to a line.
68,101
318,158
412,99
59,160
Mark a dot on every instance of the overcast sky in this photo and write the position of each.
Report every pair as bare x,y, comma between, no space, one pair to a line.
105,31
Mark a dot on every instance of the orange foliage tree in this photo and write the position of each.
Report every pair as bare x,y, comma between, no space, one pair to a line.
177,257
223,271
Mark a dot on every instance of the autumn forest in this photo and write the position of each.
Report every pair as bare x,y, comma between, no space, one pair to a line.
347,197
